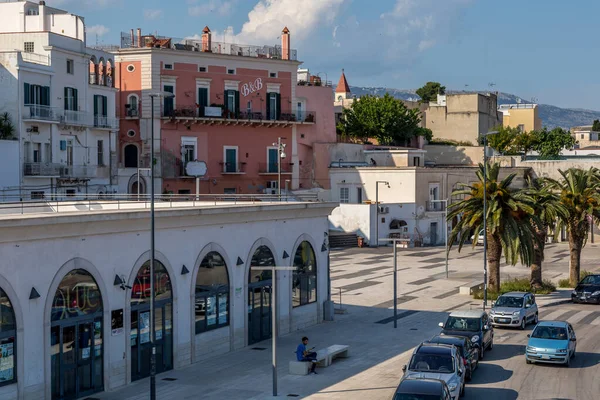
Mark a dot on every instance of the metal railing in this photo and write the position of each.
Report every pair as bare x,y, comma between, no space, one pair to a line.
78,171
435,206
40,112
77,117
233,168
101,121
271,168
213,112
63,203
42,169
131,112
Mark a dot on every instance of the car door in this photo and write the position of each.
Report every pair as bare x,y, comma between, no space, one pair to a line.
527,307
572,336
472,353
485,339
533,308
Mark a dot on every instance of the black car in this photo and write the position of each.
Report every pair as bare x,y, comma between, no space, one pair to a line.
588,290
468,352
422,389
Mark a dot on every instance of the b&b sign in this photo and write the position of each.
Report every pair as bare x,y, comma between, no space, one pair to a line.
251,87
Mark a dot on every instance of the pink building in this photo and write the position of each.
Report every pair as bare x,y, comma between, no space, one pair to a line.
231,104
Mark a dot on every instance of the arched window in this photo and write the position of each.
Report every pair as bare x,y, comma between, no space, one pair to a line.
93,71
262,257
304,280
131,156
77,295
132,101
399,224
8,335
212,293
140,293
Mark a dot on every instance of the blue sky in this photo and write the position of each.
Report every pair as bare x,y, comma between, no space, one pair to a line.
542,49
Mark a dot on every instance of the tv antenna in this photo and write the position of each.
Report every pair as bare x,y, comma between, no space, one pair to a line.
534,100
491,84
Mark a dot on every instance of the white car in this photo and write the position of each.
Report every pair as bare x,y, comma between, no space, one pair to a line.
479,238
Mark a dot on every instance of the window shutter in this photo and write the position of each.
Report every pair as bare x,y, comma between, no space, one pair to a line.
268,116
26,94
202,100
66,98
95,105
226,100
75,98
237,103
278,102
104,106
45,95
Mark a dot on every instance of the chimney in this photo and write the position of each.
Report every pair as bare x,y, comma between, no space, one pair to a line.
132,38
285,44
139,37
206,40
42,16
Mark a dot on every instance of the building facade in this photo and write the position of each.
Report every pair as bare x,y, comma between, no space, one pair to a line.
462,117
230,105
585,136
524,117
60,96
75,317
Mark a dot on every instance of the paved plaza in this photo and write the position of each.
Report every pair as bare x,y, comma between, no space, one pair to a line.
378,351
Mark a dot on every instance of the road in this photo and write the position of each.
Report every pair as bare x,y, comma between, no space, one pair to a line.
504,375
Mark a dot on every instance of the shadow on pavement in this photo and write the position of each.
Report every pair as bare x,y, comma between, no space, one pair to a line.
490,373
581,360
476,393
504,351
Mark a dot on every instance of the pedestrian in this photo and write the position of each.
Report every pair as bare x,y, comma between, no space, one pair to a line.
308,355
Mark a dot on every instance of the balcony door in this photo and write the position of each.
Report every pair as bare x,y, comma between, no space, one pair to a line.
70,152
272,160
231,159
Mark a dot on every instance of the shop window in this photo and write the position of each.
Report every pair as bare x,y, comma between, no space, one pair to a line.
304,280
212,294
140,293
8,335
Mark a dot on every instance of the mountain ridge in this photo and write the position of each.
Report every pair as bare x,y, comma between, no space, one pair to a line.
551,116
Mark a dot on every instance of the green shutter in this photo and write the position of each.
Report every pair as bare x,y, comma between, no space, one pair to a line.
202,100
237,103
104,106
26,94
95,105
66,98
226,101
268,116
75,100
45,95
278,104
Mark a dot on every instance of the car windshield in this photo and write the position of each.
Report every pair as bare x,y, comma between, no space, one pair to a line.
591,280
459,344
462,324
550,332
432,363
405,396
509,301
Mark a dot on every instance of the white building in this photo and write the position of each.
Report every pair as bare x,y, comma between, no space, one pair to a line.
60,96
75,315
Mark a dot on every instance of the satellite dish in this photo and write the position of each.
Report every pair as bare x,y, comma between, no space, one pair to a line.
196,168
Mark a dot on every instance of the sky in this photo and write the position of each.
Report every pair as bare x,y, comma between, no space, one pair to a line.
543,50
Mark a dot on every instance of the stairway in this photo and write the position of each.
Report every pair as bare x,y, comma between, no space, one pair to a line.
339,240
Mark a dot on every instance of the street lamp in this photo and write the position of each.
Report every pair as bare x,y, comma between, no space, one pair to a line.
165,95
445,201
273,270
377,211
280,156
485,278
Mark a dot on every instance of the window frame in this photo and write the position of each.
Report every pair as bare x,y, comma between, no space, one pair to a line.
8,335
100,153
237,162
29,47
344,199
70,66
215,293
302,275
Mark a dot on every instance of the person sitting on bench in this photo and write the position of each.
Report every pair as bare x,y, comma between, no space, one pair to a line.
308,355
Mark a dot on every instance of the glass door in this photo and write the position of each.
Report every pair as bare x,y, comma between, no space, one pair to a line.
259,313
141,348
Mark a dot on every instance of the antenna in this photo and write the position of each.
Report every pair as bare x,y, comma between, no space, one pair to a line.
534,100
491,84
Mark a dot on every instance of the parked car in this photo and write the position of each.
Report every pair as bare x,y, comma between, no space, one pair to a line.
468,352
551,342
437,361
472,324
587,291
479,239
422,389
514,309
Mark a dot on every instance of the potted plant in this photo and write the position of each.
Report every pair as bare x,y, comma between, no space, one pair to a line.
361,241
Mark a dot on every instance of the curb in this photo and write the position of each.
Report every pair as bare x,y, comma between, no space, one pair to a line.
556,303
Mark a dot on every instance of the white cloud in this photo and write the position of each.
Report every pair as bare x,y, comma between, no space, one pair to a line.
151,14
99,30
219,7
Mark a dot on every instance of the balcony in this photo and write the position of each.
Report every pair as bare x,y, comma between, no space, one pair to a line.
36,112
56,170
35,58
104,122
222,116
131,112
271,168
79,171
435,206
80,118
233,168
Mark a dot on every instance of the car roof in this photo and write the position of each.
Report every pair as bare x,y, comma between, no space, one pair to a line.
420,386
468,314
448,339
434,348
515,294
561,324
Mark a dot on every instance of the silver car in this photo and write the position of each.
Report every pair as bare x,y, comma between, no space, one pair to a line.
514,309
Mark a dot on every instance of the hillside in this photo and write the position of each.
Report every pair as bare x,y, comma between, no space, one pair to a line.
551,116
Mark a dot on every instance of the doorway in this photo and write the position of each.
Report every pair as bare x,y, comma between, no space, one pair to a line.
433,236
259,296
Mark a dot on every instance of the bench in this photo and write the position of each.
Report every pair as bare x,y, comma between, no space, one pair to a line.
324,359
470,287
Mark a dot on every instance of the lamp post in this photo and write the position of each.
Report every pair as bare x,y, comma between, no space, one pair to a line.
377,210
273,270
445,201
485,277
166,95
280,156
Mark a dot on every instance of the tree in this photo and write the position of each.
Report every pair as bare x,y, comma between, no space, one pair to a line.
430,91
525,142
549,144
596,126
7,129
386,119
579,192
504,141
509,216
548,209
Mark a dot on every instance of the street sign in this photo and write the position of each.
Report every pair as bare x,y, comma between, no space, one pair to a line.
196,168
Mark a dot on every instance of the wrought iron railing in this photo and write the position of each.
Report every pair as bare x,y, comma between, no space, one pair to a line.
233,168
39,112
223,113
101,121
271,168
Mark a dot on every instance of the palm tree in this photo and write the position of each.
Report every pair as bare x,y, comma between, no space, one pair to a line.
509,216
7,129
548,209
579,192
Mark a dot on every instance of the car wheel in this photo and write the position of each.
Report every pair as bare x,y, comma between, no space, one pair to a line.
536,318
481,352
568,362
462,391
491,345
523,324
527,361
573,354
